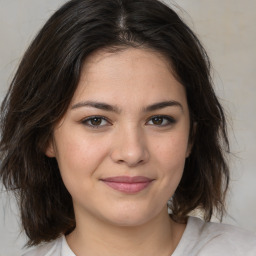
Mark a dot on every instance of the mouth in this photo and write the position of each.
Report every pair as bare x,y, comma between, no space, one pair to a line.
127,184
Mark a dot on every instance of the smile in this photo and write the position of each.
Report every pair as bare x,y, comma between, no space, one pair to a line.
126,184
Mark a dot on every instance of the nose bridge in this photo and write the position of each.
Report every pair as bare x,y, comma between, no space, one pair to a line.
130,146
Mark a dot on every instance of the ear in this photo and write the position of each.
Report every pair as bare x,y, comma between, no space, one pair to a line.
50,151
191,139
189,149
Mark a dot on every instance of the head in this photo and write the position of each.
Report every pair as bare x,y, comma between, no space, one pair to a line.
47,82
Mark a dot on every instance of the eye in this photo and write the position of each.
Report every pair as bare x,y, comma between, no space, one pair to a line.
161,120
96,121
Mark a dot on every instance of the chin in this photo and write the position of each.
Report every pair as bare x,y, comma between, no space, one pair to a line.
131,218
131,222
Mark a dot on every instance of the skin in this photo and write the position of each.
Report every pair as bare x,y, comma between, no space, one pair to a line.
130,141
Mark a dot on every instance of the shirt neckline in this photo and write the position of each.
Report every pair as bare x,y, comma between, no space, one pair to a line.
66,250
185,236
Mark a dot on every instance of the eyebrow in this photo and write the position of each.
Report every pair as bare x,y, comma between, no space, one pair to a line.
113,108
164,104
98,105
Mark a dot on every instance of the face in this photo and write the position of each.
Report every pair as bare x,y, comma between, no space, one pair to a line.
122,143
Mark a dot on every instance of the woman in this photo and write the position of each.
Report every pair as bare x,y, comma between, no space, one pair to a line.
111,120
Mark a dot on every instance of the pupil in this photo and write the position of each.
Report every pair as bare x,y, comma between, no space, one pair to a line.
157,120
96,121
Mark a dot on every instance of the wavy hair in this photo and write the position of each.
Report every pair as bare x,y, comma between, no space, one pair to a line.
44,85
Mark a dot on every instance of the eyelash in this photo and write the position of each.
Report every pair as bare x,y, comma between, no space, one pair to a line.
170,120
90,119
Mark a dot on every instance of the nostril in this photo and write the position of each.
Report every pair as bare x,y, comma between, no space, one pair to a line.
130,148
131,162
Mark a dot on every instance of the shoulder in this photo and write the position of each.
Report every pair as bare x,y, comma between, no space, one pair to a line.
222,239
49,249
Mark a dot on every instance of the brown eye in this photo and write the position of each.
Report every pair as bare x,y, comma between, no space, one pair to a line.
95,122
157,120
161,121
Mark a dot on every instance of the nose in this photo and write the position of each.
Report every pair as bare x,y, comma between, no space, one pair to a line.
130,147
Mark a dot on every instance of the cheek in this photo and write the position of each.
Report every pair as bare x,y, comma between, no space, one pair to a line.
171,156
169,159
78,160
79,156
172,150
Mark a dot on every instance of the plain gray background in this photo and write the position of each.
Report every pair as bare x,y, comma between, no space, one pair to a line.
227,30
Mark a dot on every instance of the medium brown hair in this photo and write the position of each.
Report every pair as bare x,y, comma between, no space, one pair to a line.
44,85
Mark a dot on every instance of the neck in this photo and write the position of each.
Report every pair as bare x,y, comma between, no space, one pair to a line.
159,236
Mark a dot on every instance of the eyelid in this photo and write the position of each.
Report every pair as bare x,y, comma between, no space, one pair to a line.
87,119
170,120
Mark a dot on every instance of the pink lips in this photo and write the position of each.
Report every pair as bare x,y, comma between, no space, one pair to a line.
128,184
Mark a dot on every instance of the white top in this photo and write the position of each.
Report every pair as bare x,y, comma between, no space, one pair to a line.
199,239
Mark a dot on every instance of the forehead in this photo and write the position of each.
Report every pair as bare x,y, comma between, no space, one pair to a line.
127,54
127,75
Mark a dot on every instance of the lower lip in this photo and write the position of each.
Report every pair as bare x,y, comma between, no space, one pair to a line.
129,188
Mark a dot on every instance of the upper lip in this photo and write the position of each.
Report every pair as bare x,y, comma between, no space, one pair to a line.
127,179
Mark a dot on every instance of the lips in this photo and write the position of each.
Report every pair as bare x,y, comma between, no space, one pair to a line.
128,184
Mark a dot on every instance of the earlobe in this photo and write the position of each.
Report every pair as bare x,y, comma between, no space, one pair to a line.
191,139
50,152
189,148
